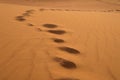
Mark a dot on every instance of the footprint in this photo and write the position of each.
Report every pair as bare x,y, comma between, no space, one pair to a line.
118,10
58,59
59,32
26,14
50,25
65,63
110,10
52,9
58,40
42,9
69,50
38,29
20,18
29,24
67,79
30,11
67,10
68,65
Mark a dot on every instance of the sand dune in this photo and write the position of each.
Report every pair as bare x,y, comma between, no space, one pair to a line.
69,4
59,42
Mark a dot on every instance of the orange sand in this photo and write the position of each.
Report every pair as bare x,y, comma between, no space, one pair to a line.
27,51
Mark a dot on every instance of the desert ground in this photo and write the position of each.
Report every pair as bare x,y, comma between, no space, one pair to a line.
60,40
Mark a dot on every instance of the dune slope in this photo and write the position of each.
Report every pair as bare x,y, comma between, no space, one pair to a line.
58,44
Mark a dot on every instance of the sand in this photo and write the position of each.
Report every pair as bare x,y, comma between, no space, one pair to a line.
59,42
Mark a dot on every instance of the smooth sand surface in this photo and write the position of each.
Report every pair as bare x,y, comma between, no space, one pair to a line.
59,43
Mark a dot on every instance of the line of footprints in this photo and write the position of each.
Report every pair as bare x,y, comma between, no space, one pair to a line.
109,10
63,62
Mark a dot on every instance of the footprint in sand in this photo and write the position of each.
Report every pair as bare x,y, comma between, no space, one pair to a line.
42,9
38,29
65,63
20,18
50,25
52,9
69,50
29,24
67,10
118,10
67,79
58,32
109,10
26,14
57,40
30,11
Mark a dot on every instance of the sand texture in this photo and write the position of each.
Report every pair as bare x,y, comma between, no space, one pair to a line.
59,42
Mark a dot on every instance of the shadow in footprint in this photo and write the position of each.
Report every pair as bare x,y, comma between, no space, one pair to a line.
50,25
56,40
20,18
118,10
69,50
67,79
65,63
59,32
